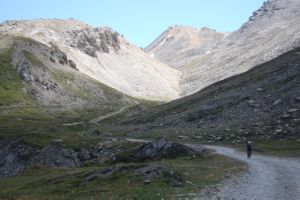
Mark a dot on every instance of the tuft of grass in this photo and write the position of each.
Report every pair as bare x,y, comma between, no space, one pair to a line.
31,58
24,39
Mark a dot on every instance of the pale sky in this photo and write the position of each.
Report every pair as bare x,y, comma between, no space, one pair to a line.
140,21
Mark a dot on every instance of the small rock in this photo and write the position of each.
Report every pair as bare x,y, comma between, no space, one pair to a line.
251,101
278,131
57,140
52,59
147,181
189,182
278,101
268,96
233,142
198,137
285,116
183,137
259,89
292,110
73,64
255,124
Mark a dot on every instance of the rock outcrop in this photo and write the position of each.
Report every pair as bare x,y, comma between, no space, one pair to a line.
94,40
16,156
56,155
162,149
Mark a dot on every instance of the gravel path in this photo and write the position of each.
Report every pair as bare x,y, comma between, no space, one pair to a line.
268,178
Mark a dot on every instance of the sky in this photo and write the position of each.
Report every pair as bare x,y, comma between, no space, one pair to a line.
140,21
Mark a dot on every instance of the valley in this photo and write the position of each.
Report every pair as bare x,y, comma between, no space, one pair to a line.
86,114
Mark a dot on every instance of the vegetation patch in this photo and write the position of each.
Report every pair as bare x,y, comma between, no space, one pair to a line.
11,86
55,183
32,58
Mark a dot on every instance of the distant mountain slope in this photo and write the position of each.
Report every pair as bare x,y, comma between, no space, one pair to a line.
103,55
180,44
271,30
261,103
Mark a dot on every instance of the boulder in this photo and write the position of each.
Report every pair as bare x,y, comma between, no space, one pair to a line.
153,172
72,64
161,149
14,157
56,155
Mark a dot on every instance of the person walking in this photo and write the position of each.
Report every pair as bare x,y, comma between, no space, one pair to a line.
249,149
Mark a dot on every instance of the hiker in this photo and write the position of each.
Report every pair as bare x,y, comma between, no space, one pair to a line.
249,149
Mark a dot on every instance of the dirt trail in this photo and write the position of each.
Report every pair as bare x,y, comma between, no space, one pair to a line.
268,178
102,117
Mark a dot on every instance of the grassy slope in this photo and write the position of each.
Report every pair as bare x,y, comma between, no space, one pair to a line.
11,87
46,183
24,119
20,117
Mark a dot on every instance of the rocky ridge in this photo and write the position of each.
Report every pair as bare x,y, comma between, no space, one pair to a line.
51,78
102,54
271,31
178,45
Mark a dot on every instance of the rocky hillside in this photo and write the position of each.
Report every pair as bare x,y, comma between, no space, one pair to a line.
271,30
101,54
35,74
262,103
179,45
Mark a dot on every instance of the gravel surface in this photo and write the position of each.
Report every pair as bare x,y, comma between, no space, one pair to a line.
268,178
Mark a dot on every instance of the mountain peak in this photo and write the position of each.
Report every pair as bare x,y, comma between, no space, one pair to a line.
274,11
59,25
188,39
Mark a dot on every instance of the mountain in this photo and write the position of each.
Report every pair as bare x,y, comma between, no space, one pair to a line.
102,54
56,76
180,44
271,30
33,72
262,103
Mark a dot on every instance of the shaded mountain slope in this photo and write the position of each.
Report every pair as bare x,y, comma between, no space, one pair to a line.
263,102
